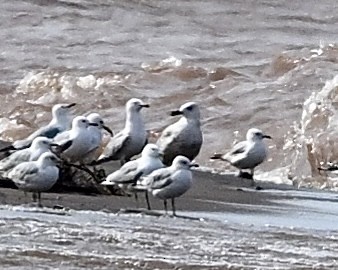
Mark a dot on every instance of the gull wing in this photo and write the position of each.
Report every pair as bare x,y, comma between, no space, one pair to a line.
47,131
128,173
14,159
239,148
23,172
162,183
114,147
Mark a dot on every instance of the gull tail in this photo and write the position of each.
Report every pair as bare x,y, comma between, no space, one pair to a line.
100,161
139,188
329,167
8,148
63,147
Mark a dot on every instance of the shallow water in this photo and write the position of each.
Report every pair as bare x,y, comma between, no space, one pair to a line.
297,234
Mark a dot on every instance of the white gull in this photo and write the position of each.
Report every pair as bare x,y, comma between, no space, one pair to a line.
247,154
96,136
131,140
76,142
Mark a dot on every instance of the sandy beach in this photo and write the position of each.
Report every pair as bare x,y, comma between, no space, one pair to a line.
227,224
210,192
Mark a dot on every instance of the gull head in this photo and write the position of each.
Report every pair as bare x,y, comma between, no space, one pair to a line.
61,110
81,122
97,119
182,162
42,142
255,134
189,110
135,105
49,159
152,150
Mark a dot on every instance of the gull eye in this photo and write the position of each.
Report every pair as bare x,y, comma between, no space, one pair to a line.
101,122
190,108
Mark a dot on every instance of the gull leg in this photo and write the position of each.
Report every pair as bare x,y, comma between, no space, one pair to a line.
252,176
34,197
136,199
245,174
147,200
173,206
165,206
39,199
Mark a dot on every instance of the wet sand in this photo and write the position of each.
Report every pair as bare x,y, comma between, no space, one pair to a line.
210,193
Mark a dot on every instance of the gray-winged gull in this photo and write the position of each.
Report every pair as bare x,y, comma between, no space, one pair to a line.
184,137
170,182
39,146
131,140
61,121
127,176
247,154
36,176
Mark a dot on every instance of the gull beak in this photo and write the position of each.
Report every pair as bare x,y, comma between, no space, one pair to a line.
267,137
174,113
54,144
70,105
94,124
145,105
193,165
108,130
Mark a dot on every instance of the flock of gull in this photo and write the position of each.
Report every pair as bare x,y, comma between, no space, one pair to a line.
162,169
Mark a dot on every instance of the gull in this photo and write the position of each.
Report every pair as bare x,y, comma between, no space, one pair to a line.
76,142
184,137
127,176
131,140
39,146
60,122
247,154
170,182
96,136
36,176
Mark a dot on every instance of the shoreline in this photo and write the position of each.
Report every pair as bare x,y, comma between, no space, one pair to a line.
209,193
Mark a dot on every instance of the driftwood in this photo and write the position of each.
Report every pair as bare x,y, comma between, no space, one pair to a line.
74,178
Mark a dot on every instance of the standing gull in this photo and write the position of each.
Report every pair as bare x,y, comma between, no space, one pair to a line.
184,137
36,176
127,176
247,154
76,142
61,121
96,133
39,146
131,140
170,182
